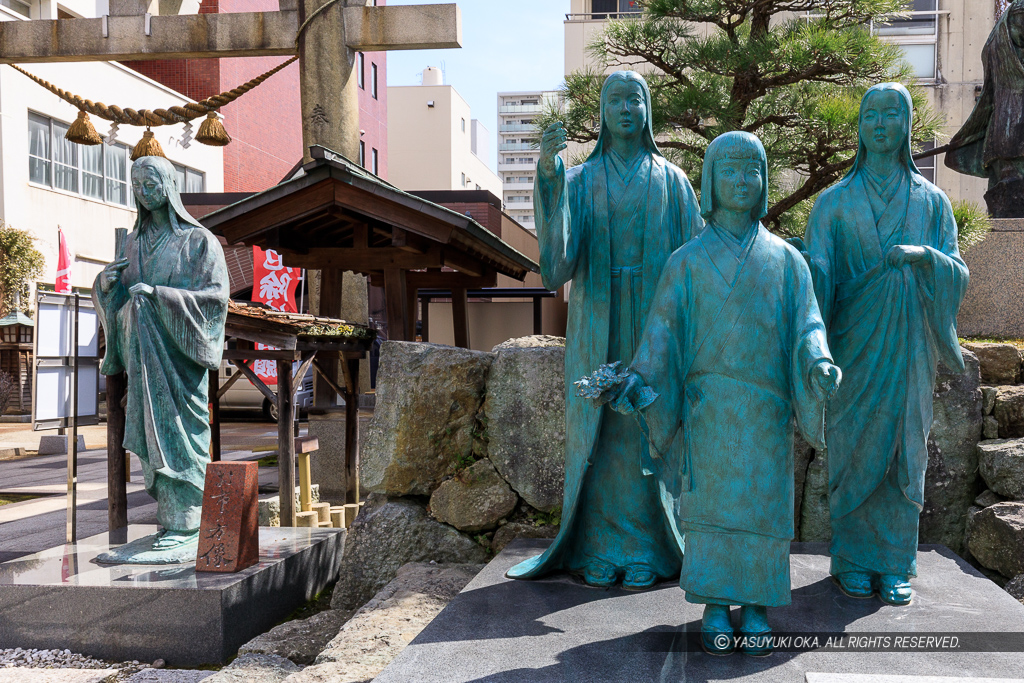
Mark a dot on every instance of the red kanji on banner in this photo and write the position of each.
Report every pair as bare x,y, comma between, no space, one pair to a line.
62,284
273,285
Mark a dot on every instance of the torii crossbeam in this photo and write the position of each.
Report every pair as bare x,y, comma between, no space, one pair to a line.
330,112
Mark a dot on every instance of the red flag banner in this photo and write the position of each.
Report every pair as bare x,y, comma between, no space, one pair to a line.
275,286
62,283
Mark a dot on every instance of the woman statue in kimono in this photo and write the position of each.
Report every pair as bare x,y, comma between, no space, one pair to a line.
889,279
609,225
163,304
733,351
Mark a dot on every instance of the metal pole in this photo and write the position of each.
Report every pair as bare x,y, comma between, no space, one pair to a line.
72,521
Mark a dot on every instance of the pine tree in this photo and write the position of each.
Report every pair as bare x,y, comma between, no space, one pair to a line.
790,71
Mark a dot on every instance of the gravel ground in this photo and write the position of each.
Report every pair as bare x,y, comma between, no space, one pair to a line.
64,659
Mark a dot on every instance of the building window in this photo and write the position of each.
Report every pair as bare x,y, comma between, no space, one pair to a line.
95,171
362,154
360,68
478,187
373,80
373,162
463,179
189,180
21,8
463,125
927,165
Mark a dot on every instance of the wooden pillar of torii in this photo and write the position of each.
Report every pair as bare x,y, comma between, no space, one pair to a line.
332,32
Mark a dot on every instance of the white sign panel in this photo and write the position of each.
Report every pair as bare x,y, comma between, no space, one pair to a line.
52,404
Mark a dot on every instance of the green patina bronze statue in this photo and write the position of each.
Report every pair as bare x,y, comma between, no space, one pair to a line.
733,358
991,142
163,303
609,226
889,280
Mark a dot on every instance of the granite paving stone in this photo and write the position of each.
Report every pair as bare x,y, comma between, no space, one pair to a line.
557,629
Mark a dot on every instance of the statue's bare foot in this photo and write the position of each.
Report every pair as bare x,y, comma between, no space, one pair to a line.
174,539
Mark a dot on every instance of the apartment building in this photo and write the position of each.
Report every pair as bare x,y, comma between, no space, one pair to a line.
517,150
434,141
942,41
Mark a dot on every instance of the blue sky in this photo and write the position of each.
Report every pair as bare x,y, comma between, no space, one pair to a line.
507,45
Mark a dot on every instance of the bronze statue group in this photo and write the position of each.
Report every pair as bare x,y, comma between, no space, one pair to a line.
744,338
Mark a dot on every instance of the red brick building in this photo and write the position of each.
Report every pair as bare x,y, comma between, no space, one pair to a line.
265,124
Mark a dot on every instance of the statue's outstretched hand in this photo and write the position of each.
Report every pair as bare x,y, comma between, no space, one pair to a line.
900,255
111,275
625,397
825,379
552,142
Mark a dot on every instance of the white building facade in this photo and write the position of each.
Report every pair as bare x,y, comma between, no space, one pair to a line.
47,182
518,150
434,143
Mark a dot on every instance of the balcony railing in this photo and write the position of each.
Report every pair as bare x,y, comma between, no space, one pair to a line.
517,127
519,109
518,167
517,146
602,16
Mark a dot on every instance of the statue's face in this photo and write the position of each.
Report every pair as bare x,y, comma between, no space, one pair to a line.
625,110
738,184
148,187
881,123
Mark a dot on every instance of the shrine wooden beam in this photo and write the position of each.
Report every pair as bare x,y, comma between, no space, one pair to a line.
237,34
364,260
443,280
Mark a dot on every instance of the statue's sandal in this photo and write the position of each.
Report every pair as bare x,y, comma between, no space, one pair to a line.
894,590
855,584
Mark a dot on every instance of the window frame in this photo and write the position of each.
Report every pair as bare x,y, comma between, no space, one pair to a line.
361,70
362,154
107,177
373,80
374,161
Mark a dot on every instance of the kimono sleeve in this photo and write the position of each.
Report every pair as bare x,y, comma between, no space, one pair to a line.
659,357
194,314
809,346
821,248
942,283
558,229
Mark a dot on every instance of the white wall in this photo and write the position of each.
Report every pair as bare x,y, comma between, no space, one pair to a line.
428,149
88,223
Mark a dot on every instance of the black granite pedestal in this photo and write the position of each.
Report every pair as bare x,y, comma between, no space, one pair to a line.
61,598
557,629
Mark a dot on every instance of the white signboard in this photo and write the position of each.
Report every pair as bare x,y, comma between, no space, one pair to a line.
52,387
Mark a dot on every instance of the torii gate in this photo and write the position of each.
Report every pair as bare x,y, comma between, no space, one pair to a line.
332,32
134,30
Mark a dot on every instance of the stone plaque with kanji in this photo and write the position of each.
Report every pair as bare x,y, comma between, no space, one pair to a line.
229,532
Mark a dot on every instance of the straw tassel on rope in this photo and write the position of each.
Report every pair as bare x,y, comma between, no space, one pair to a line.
82,131
148,147
212,131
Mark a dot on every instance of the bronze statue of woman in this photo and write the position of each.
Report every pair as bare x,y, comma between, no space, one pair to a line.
163,304
609,226
889,280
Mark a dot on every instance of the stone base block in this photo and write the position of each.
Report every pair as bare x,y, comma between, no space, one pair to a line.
60,598
994,304
55,444
557,629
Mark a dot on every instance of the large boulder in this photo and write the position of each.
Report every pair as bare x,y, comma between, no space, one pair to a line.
475,499
425,420
1009,412
388,533
525,418
513,530
252,668
1000,363
951,481
299,640
1015,587
815,518
995,536
803,454
1001,462
387,623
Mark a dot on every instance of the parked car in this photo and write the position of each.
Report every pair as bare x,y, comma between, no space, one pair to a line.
242,395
